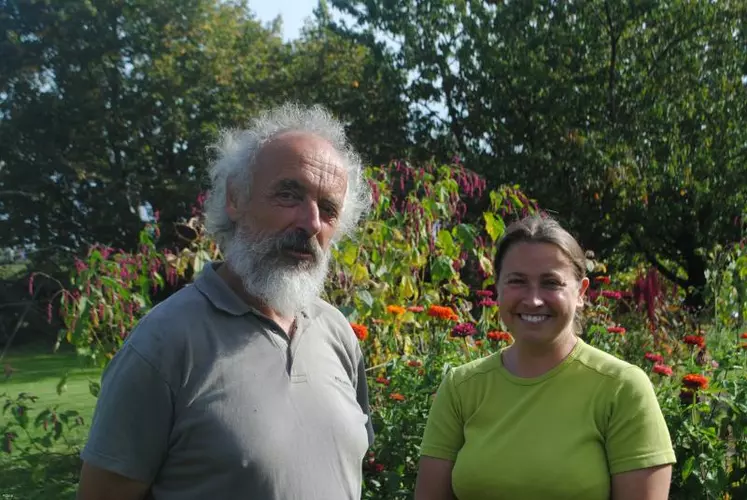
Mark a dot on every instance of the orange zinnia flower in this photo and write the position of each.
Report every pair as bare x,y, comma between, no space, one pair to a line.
696,340
361,331
396,396
498,336
695,381
442,312
616,329
396,310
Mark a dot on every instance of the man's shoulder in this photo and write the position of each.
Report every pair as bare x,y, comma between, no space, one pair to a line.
322,309
328,317
169,322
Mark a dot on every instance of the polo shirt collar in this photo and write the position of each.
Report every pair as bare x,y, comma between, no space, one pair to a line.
217,291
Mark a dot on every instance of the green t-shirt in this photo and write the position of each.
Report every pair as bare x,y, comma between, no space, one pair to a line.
561,435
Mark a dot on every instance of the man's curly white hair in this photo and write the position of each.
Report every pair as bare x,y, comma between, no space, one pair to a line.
236,159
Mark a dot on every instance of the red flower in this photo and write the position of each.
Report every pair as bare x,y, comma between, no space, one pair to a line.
463,330
616,329
415,362
611,295
662,369
499,336
602,279
361,331
383,381
415,309
744,335
379,468
484,293
696,340
396,396
487,303
695,381
656,358
442,312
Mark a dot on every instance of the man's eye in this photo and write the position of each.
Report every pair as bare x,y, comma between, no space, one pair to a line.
287,195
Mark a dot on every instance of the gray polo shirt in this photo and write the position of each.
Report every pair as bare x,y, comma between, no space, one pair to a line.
208,399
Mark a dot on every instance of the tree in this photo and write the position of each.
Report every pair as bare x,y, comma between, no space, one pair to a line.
595,108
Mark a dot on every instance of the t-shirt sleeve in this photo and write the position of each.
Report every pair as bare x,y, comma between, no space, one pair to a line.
444,430
361,389
132,421
637,436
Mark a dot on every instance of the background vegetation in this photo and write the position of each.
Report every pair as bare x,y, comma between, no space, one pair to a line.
626,120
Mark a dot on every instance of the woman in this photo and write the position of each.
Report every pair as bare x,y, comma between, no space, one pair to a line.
549,417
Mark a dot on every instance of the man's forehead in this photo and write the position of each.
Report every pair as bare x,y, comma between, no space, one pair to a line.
303,155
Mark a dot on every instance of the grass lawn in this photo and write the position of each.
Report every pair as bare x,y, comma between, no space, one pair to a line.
37,370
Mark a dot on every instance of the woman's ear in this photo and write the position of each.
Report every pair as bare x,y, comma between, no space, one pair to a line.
584,285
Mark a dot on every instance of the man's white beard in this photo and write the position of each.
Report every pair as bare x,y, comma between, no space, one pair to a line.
284,287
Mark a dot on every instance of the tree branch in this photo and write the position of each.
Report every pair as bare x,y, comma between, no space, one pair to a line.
669,274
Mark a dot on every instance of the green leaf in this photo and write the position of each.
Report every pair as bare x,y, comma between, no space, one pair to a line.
494,226
94,388
441,269
366,297
62,384
687,467
349,254
466,235
445,242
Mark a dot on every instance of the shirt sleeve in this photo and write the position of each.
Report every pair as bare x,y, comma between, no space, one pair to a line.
132,421
361,389
637,436
444,430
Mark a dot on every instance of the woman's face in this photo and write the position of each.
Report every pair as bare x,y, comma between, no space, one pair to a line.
539,292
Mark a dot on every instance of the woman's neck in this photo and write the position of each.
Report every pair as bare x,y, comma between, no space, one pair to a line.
530,359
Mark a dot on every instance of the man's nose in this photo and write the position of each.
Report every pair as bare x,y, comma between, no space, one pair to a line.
309,219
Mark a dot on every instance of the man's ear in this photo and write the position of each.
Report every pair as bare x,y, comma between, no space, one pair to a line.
232,202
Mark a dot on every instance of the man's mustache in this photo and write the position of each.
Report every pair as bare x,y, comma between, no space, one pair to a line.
301,242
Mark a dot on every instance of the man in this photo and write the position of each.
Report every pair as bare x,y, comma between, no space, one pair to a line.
246,385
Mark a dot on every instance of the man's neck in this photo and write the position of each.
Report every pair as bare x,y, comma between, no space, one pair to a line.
234,282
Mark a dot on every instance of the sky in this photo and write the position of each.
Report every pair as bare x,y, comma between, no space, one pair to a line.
293,12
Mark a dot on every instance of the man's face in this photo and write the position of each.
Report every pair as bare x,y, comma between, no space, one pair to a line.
286,223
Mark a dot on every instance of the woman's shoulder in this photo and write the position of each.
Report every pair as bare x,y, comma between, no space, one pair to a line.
607,365
475,370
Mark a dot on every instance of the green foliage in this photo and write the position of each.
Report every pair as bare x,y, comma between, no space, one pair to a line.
415,284
108,106
626,118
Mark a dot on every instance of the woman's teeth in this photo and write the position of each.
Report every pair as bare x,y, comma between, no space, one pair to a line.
533,318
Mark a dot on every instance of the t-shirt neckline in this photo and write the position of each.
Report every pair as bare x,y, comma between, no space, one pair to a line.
545,376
